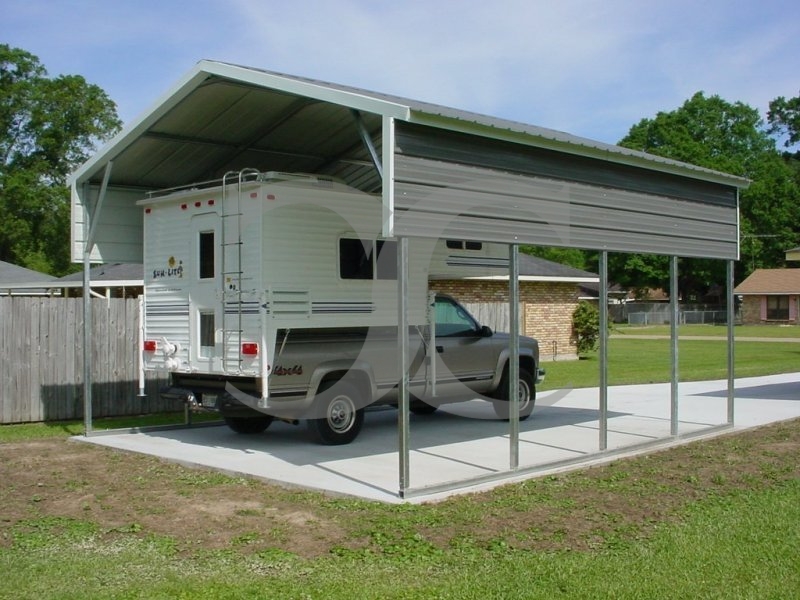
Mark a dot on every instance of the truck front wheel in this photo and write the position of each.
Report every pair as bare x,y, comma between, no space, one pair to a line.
527,395
338,420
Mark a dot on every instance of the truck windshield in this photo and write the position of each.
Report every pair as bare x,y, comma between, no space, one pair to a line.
453,320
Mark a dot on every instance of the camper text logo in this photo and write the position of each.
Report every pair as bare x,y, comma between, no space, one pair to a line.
174,269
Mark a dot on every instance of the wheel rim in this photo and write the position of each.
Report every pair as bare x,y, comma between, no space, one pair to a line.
341,414
523,394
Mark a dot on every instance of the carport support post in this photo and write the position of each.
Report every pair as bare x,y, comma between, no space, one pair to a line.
513,355
673,336
603,307
403,363
731,317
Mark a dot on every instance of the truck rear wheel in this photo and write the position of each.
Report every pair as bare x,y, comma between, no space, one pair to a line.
248,426
527,395
338,418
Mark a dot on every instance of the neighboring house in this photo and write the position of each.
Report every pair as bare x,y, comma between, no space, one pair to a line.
107,281
116,280
770,295
793,254
19,281
549,293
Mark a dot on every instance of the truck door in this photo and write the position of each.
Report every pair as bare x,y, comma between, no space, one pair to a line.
204,302
461,350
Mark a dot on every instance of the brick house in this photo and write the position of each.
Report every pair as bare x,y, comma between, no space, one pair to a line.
548,292
770,296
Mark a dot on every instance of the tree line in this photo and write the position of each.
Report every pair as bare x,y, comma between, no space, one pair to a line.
51,125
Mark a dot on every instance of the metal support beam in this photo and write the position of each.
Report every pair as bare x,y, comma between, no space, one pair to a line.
513,354
367,139
673,336
603,308
731,365
88,245
403,362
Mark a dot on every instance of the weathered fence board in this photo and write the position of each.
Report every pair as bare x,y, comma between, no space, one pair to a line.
41,370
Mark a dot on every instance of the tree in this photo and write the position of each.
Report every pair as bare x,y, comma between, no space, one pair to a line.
784,118
49,127
729,137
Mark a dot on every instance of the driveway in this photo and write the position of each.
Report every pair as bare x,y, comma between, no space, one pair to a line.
465,442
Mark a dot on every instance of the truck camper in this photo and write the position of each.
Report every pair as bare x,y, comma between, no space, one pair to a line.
273,295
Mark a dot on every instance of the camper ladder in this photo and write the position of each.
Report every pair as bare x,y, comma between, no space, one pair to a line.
231,260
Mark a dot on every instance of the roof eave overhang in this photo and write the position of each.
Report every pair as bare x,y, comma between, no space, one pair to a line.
539,278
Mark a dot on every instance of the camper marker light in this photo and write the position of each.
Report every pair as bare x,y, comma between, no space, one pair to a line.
150,346
183,206
250,349
198,204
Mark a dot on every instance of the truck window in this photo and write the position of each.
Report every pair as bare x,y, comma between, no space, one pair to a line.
206,258
453,320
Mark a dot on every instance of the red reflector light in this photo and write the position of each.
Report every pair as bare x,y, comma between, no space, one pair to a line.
183,206
249,348
147,211
150,346
198,204
211,203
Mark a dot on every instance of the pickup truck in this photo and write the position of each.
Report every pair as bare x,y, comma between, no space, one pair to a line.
327,377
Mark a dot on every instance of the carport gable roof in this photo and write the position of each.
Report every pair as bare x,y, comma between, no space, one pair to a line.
221,117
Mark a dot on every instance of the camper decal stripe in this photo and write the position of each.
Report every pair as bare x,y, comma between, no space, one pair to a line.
163,309
330,308
245,308
471,261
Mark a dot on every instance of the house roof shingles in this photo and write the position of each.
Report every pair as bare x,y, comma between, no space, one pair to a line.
771,281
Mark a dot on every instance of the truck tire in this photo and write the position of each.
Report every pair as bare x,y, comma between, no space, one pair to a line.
248,426
340,420
420,407
527,395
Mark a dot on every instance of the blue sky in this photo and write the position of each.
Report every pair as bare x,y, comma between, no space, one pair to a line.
591,68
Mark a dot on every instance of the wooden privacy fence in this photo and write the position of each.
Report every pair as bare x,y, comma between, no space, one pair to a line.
41,372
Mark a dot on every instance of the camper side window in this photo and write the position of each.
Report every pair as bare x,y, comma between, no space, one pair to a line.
463,245
206,333
358,259
206,259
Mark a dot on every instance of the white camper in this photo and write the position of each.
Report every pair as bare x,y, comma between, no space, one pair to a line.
227,266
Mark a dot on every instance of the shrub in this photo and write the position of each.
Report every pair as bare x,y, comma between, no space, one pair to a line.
586,325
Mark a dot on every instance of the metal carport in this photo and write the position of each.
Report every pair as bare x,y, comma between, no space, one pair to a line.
441,172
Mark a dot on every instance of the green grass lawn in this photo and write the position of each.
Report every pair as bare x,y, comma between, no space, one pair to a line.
636,360
740,331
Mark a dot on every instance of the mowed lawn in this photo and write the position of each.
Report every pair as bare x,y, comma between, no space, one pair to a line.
633,357
714,518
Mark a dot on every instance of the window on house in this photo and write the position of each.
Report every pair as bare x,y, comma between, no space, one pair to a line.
206,261
358,259
778,308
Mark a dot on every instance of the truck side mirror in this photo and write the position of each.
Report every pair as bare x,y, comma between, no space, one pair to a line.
486,331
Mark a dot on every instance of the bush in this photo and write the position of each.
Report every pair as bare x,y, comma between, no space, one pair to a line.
586,325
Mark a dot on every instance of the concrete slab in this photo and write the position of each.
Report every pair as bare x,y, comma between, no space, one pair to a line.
465,442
